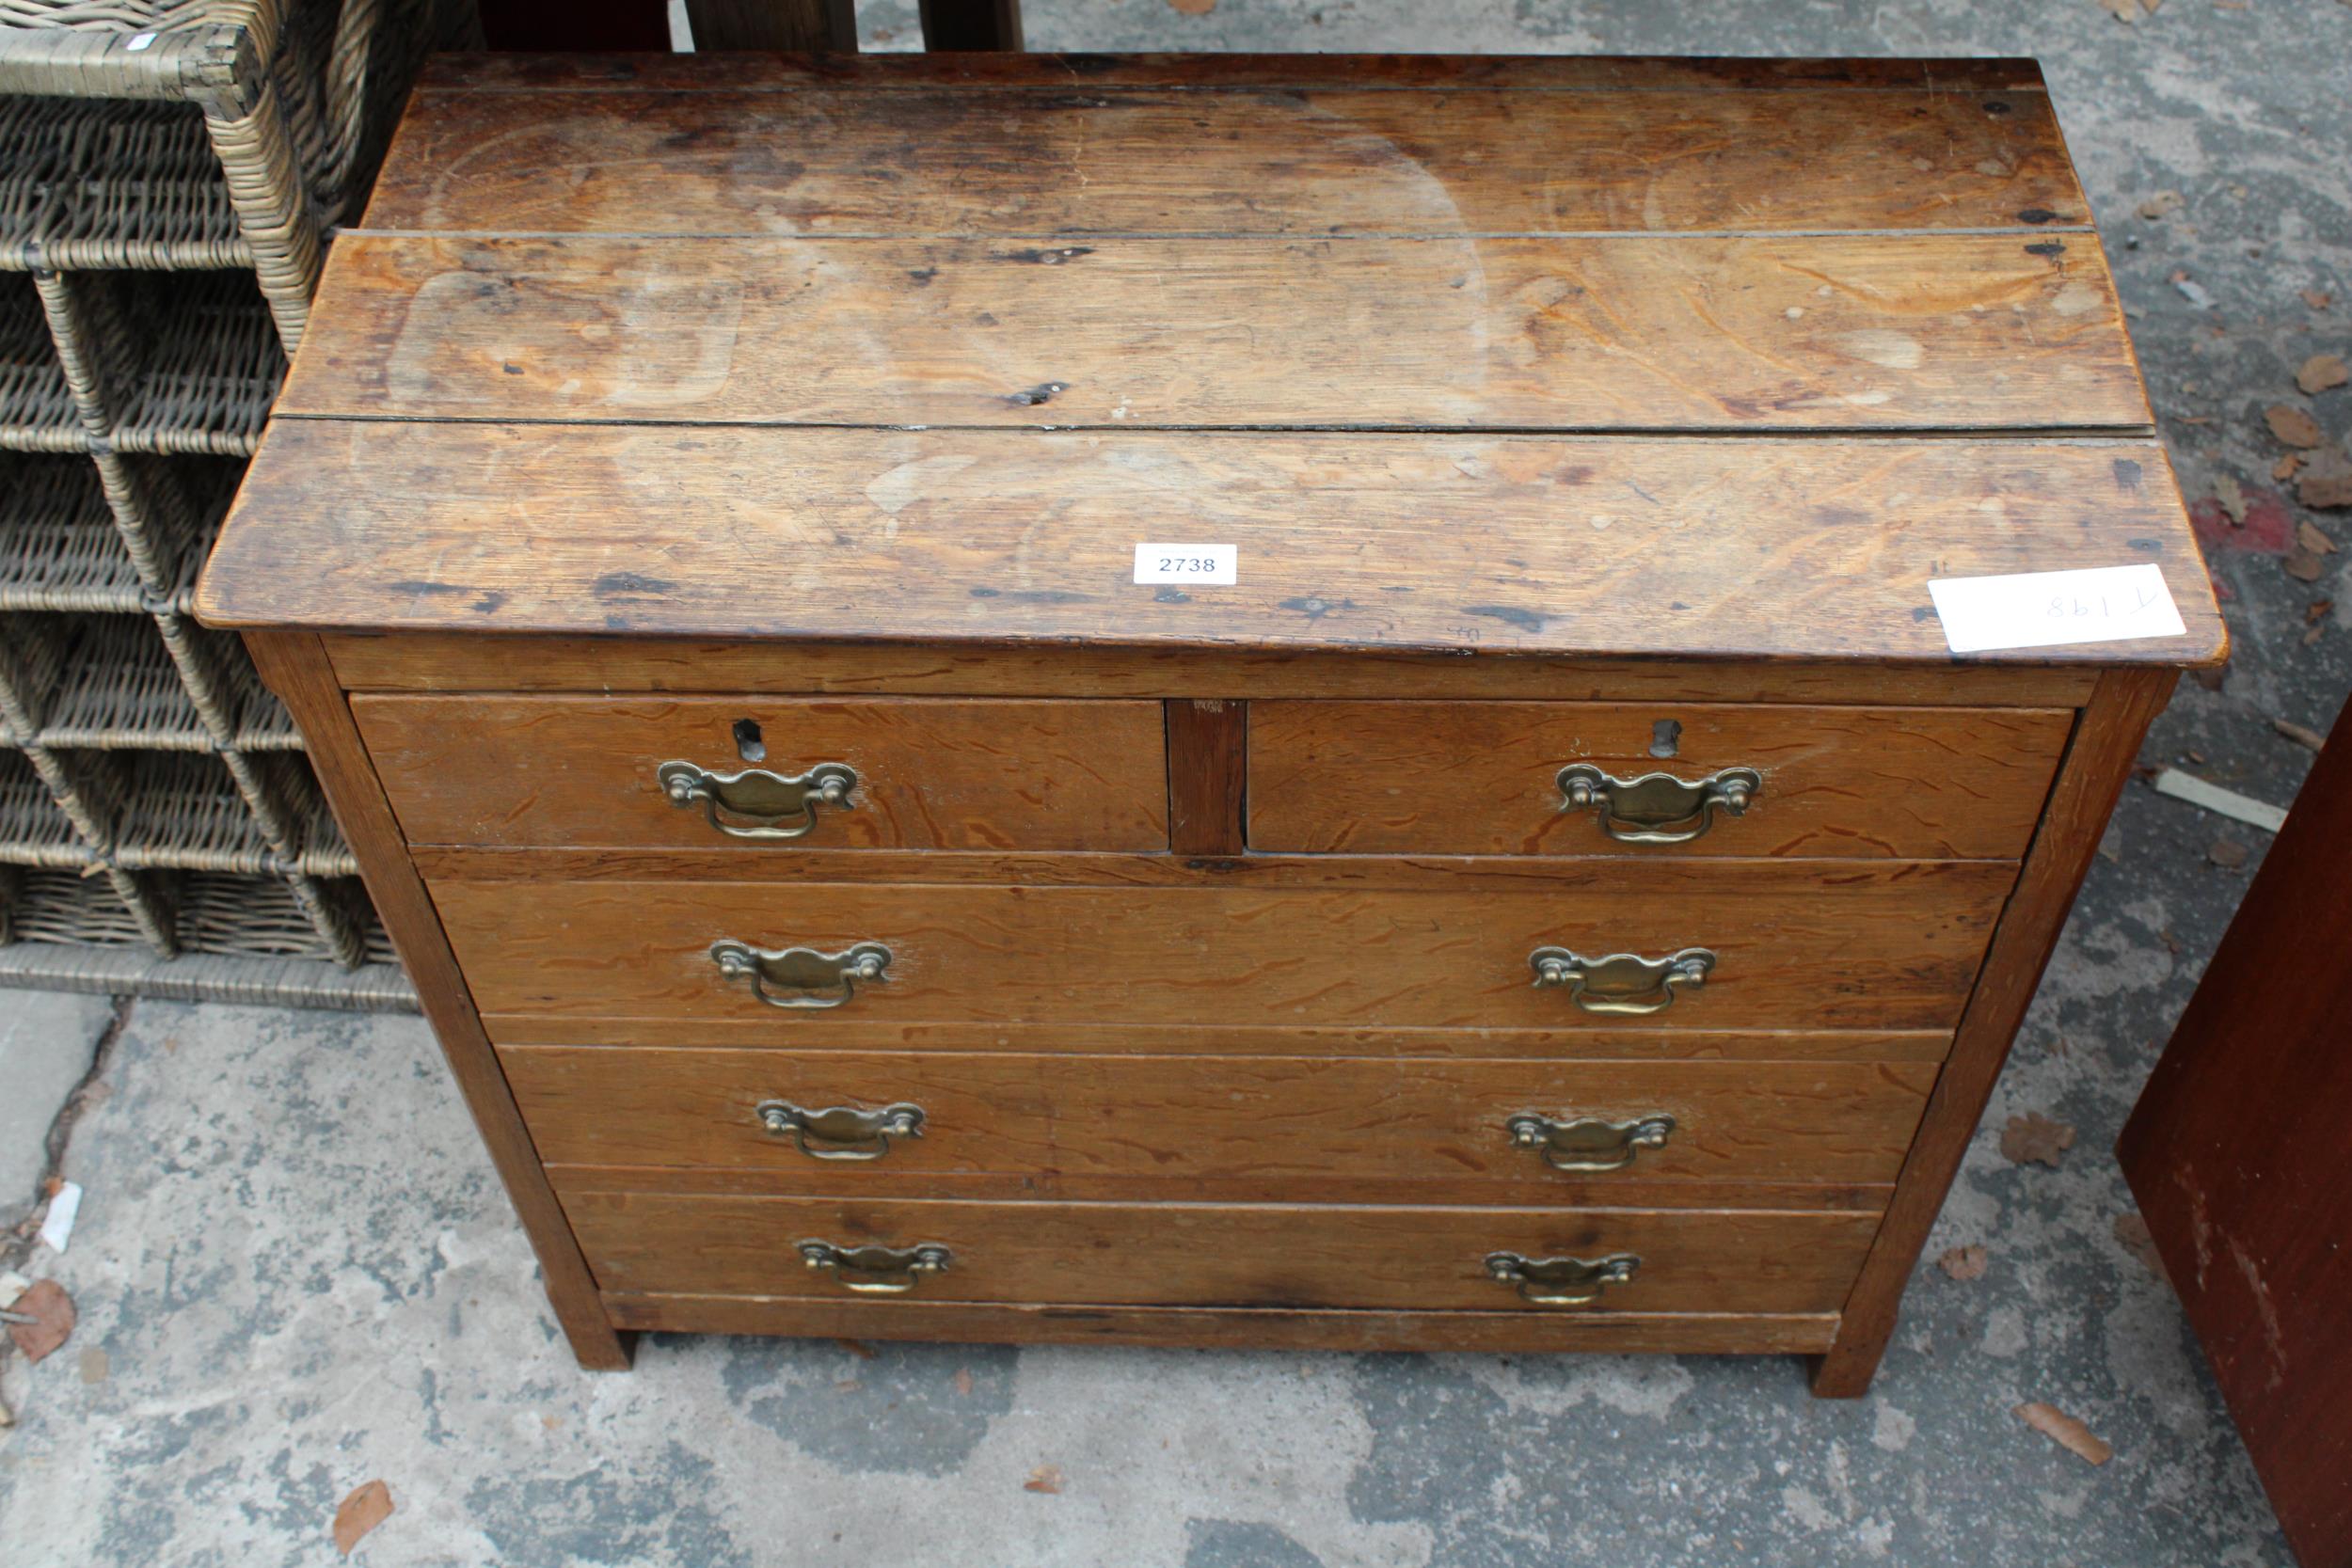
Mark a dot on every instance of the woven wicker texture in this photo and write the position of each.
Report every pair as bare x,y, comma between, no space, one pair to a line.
163,207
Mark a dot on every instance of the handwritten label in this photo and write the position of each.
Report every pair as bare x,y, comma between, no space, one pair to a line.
2041,609
1216,564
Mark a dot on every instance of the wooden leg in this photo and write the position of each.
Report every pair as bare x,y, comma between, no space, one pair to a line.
2099,759
971,25
294,666
793,25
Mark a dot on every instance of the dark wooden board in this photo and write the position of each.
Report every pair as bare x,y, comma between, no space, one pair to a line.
1692,548
1340,158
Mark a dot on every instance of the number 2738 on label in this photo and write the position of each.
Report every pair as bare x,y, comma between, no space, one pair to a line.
1185,562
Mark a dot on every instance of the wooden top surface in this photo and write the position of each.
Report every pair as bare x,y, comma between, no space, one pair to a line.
1561,355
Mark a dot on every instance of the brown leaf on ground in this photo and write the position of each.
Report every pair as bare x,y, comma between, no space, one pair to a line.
2232,499
2132,1230
2302,565
2229,854
2326,482
2317,610
52,1311
2302,735
2035,1137
2162,204
858,1348
366,1508
2284,469
1193,8
2065,1430
1045,1478
2129,10
1964,1263
963,1380
2293,426
2321,371
2318,299
2308,534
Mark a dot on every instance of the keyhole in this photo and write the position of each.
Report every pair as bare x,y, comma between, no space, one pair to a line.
747,742
1665,737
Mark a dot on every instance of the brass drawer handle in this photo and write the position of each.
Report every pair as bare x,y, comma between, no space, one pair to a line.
877,1271
1657,808
770,801
1588,1143
847,1132
1622,982
1562,1281
800,970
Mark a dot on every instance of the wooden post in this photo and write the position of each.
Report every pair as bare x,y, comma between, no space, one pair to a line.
795,27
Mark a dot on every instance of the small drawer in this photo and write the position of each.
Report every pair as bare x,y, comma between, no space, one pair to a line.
1531,1261
772,774
1691,944
1160,1126
1513,778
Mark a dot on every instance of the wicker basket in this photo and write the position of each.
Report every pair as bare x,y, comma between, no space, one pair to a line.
170,170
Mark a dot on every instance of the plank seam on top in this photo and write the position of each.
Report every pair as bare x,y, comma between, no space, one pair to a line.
2081,436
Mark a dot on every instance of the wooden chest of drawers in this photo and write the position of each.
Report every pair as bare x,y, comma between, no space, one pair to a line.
1225,701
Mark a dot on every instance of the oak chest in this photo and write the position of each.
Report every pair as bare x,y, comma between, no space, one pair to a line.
1298,701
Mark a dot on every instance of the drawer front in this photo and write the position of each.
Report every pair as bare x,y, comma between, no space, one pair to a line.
1537,1126
922,773
1487,779
1241,1255
1794,948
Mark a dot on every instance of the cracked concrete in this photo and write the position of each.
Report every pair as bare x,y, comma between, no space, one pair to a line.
304,1275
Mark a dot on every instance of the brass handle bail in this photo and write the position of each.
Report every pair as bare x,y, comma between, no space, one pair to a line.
1561,1281
786,976
776,806
846,1132
877,1271
1622,982
1588,1143
1657,808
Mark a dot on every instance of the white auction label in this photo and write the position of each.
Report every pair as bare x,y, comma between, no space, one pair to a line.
2041,609
1219,563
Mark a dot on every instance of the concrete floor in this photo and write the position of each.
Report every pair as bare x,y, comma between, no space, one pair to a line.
295,1272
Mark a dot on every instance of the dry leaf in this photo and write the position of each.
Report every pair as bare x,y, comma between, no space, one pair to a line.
2160,205
2325,483
2321,371
2227,853
2063,1430
2132,1230
2307,535
2035,1137
2318,299
2302,565
52,1311
2293,426
2232,499
2284,469
963,1380
2302,735
1046,1478
365,1509
1193,8
2317,610
1964,1263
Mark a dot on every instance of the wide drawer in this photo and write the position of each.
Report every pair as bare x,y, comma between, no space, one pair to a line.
1787,947
921,773
857,1118
1223,1255
1497,778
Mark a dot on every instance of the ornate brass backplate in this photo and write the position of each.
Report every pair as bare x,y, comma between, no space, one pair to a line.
841,1131
1588,1143
1561,1281
1622,982
877,1271
772,805
1657,808
788,976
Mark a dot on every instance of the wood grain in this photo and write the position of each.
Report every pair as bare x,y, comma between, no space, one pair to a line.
296,670
1863,947
1169,1124
2105,750
1189,1040
1228,1328
1230,1255
1757,548
1079,160
1481,778
445,662
1697,333
931,773
1207,776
